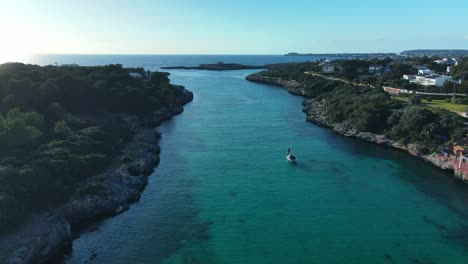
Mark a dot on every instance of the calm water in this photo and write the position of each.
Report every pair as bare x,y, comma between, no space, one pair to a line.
224,192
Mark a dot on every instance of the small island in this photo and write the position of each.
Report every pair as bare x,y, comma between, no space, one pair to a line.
219,66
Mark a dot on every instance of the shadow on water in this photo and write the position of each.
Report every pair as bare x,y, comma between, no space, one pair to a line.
166,217
178,222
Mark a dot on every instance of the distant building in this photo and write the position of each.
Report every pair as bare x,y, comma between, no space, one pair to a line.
395,91
375,69
433,79
424,72
449,69
328,68
135,74
324,62
446,61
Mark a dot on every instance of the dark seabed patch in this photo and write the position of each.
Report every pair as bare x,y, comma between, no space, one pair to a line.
202,230
337,170
233,194
423,260
459,236
432,222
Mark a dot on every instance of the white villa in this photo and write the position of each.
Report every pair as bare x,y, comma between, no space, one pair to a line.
328,68
433,79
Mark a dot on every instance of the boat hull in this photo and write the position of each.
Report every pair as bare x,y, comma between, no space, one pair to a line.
288,158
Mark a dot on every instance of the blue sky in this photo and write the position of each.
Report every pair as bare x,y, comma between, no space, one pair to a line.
230,27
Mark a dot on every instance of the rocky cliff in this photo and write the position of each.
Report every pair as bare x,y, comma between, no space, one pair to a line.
293,87
108,193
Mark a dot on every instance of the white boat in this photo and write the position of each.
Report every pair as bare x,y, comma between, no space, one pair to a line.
291,158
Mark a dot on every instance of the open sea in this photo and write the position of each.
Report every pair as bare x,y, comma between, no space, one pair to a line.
224,192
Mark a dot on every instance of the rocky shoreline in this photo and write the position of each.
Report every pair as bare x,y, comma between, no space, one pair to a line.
316,112
49,234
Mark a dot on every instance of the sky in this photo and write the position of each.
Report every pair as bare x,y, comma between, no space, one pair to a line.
229,27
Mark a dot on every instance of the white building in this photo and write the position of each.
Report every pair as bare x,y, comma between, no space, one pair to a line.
324,62
328,68
433,79
446,61
424,72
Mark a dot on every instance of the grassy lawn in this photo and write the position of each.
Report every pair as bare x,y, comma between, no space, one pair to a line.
440,104
446,105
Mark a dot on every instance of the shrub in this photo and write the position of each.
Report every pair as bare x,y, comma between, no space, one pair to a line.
415,100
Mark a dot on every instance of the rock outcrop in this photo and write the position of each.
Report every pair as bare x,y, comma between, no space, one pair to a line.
108,193
293,87
54,237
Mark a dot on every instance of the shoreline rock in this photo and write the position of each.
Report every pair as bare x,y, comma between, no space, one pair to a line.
316,114
50,234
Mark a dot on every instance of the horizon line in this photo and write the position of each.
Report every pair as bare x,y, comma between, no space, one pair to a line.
236,54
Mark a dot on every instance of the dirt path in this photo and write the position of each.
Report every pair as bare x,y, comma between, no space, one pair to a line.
337,79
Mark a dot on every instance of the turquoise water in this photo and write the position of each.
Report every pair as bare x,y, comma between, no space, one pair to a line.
224,192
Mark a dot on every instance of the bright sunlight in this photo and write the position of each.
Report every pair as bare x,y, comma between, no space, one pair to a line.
15,45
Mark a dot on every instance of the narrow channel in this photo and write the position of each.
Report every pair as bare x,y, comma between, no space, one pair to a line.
224,192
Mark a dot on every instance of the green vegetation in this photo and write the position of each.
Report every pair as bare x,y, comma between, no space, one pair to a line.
60,125
447,105
373,110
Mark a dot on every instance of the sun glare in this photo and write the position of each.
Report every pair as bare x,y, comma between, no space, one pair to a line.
11,54
14,45
14,48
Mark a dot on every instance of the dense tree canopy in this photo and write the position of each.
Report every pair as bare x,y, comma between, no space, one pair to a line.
59,125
